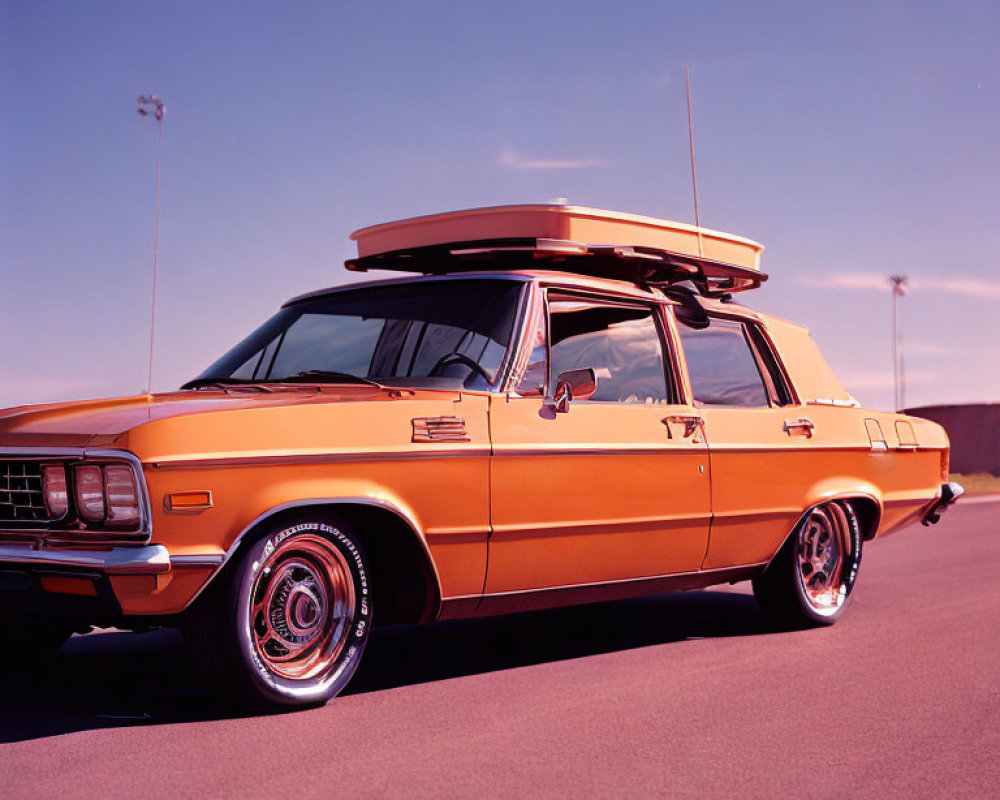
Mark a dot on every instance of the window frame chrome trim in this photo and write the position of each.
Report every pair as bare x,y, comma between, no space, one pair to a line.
517,334
654,301
745,321
534,305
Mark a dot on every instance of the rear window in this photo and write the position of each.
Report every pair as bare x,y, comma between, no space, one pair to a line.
722,366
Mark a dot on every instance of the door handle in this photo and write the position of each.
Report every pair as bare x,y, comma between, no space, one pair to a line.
691,423
802,424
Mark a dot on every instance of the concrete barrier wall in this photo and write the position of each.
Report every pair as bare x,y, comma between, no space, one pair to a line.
974,431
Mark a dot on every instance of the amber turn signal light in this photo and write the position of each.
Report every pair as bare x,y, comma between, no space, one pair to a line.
179,502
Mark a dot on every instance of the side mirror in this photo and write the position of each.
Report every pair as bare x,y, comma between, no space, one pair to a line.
574,384
688,311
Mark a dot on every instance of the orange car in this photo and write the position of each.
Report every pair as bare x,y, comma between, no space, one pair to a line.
564,405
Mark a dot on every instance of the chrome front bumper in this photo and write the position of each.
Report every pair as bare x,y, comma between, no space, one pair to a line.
950,492
148,560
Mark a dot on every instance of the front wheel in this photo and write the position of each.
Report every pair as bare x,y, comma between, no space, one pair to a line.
809,582
287,624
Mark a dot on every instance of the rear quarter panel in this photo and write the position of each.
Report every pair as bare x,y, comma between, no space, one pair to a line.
764,479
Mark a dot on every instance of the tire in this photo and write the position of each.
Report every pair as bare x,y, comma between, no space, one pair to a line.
29,642
810,581
285,625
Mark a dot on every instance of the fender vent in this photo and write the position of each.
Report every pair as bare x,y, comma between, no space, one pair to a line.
439,429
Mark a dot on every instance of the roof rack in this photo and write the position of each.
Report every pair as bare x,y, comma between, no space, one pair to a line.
635,263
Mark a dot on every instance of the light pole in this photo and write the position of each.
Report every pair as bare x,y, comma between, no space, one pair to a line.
152,104
899,284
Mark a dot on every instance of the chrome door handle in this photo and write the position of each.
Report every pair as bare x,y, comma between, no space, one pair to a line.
691,423
803,424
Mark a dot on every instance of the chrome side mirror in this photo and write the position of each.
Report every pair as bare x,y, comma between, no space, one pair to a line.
574,384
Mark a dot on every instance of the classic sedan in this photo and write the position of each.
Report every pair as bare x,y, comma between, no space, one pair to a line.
555,405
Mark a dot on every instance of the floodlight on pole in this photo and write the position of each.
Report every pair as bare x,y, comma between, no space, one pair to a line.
153,105
899,285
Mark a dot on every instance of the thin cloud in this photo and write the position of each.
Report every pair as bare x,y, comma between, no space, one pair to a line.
849,281
513,160
867,281
973,286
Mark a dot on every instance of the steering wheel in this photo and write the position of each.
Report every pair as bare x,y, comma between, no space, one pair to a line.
459,358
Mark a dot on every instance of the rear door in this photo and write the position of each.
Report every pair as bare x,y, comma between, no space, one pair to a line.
617,487
763,452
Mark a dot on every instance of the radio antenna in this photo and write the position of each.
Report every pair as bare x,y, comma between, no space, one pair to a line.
154,105
694,175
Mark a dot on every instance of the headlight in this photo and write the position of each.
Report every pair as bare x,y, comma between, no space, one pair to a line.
90,492
55,491
105,494
122,494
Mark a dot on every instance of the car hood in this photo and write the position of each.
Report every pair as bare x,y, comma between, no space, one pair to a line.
97,423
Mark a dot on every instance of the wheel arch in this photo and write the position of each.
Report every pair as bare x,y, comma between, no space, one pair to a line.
865,504
405,585
864,497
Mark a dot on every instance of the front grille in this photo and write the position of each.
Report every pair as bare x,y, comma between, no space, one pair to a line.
21,498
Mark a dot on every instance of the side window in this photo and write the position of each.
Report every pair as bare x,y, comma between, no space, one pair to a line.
620,342
722,366
781,390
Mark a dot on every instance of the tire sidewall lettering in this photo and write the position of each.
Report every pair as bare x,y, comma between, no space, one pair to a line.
343,668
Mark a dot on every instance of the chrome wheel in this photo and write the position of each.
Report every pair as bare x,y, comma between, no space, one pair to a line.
810,580
825,561
301,610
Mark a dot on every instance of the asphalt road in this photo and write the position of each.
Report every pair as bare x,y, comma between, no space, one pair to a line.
683,695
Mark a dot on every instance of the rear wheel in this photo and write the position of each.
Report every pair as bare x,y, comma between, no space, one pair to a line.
285,626
809,582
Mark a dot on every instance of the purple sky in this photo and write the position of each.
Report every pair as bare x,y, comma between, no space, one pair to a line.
853,139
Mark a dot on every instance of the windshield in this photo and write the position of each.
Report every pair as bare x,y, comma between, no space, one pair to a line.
451,333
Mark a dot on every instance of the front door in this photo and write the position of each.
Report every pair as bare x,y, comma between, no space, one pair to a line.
617,487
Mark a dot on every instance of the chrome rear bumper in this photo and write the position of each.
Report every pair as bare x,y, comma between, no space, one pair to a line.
147,560
950,492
